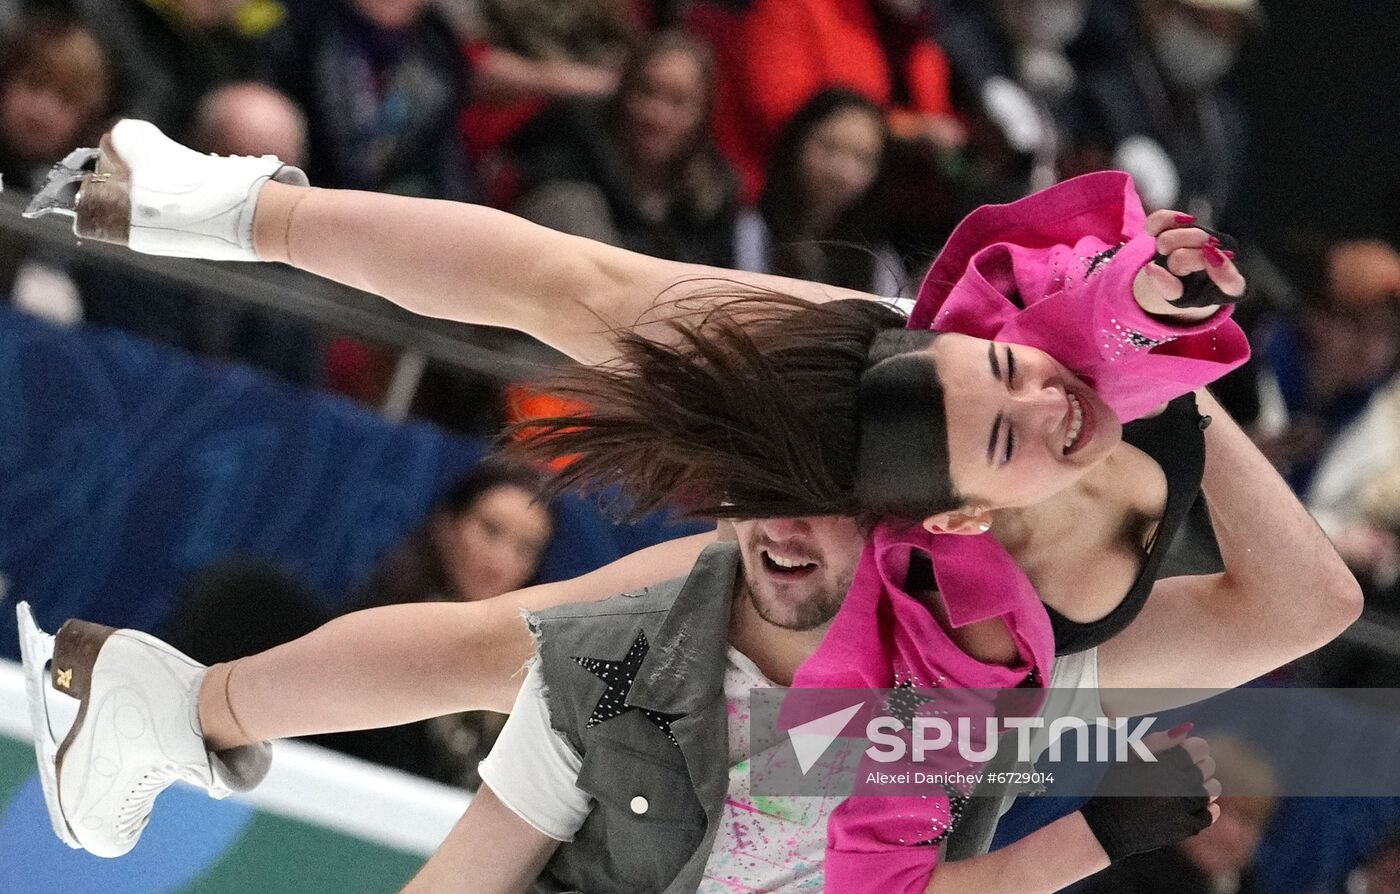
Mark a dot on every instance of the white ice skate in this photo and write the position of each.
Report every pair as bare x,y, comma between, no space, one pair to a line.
142,189
137,731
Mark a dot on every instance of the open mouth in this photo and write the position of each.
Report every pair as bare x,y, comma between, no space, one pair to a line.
1080,427
783,566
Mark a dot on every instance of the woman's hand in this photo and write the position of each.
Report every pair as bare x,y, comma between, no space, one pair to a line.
1194,272
1142,806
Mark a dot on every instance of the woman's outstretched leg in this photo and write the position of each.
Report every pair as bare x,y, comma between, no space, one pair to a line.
373,668
403,663
151,715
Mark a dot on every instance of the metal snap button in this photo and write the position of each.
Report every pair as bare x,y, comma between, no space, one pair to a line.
640,805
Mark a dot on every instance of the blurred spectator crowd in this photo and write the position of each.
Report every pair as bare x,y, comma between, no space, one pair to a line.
833,140
837,140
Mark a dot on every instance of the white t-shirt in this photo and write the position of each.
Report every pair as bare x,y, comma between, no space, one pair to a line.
763,843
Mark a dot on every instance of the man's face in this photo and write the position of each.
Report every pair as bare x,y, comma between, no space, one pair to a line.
799,569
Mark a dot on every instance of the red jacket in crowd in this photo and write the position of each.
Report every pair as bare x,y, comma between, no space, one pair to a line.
781,52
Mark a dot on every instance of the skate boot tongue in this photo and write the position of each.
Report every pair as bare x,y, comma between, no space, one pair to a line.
291,175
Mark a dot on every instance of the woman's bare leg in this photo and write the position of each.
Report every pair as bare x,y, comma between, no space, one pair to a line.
479,265
402,663
373,668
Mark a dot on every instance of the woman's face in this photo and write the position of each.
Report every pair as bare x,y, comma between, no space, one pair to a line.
1021,427
665,108
495,546
841,158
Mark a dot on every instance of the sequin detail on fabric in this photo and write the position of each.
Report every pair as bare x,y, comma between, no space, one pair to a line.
618,677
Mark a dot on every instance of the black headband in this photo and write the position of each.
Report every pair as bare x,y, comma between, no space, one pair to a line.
902,458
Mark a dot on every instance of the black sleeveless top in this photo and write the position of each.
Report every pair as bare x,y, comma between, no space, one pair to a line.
1184,543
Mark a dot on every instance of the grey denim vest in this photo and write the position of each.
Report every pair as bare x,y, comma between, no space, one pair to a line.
658,801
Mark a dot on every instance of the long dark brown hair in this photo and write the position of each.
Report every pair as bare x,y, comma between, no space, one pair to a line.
753,409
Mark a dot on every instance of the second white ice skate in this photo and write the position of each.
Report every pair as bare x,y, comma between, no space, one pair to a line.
136,731
141,189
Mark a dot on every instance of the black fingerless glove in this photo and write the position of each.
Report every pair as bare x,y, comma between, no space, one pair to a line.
1126,821
1197,289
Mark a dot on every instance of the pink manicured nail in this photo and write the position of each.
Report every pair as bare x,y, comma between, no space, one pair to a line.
1227,253
1213,256
1180,730
1214,242
1185,219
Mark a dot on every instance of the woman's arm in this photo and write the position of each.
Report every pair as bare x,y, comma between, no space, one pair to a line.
403,663
478,265
491,850
1284,591
1141,806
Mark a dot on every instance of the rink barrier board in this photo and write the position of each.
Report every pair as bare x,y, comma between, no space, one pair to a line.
321,822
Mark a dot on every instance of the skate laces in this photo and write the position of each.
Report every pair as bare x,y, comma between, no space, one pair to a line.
135,811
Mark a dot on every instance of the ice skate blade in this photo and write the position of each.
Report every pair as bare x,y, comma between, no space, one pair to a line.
36,649
60,192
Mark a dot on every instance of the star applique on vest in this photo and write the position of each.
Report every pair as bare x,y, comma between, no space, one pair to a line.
618,677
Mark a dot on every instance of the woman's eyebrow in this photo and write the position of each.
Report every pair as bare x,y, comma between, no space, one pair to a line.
992,358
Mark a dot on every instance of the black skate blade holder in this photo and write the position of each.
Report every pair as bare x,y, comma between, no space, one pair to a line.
60,192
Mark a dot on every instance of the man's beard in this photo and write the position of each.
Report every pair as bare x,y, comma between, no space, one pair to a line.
809,614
